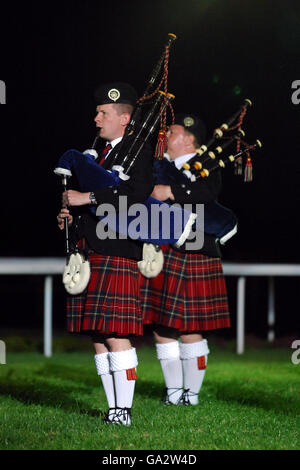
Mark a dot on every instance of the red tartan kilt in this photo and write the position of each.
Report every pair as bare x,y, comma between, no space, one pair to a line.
111,303
189,294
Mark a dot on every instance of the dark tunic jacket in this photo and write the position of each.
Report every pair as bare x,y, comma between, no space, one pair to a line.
137,189
202,191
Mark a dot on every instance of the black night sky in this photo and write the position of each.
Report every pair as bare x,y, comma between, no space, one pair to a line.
53,55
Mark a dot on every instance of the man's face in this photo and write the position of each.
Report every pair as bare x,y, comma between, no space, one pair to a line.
176,141
111,124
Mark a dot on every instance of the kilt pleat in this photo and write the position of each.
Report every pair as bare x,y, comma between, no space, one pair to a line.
189,294
111,303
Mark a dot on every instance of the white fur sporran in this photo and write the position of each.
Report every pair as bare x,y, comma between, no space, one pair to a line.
153,260
76,274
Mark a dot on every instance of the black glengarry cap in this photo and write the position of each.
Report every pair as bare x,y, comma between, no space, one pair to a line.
116,92
192,124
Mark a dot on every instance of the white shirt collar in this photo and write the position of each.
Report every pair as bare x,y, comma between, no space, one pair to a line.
179,161
114,142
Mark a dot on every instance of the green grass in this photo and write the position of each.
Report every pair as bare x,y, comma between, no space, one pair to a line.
247,402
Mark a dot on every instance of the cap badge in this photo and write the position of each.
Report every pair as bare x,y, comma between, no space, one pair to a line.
188,121
114,94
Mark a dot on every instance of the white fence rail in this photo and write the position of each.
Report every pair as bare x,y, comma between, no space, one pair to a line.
50,267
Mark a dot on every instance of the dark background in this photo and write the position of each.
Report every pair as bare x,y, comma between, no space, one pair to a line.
53,55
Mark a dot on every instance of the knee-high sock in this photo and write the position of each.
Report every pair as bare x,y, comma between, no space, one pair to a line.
194,360
168,354
103,369
123,367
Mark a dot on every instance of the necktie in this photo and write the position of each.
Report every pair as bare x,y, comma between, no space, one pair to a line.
104,153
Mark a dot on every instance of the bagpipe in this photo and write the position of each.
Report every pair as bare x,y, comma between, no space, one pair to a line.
174,228
219,221
91,177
